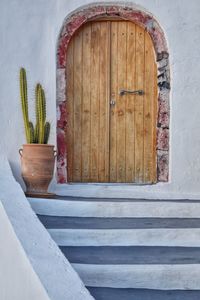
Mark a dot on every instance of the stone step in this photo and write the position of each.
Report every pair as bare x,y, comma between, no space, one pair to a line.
119,209
126,248
117,223
132,255
127,237
142,294
144,276
121,190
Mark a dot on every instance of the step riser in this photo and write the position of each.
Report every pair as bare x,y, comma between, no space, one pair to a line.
116,223
142,294
159,277
126,237
132,255
110,209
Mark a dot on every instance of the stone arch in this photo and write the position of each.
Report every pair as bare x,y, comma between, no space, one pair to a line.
132,13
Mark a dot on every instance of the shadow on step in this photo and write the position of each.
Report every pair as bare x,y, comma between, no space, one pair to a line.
140,294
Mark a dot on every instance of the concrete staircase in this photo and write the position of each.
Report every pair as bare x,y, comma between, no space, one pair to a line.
128,249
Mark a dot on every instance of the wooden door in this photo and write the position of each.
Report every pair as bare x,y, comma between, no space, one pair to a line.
111,136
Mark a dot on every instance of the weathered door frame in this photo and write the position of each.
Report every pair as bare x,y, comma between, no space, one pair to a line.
147,21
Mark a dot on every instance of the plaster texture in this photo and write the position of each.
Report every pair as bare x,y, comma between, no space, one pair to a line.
57,276
29,33
17,278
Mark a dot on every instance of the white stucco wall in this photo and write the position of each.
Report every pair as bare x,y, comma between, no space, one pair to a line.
28,36
17,278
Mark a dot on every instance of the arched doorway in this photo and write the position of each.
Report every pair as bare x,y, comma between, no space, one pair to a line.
112,140
111,94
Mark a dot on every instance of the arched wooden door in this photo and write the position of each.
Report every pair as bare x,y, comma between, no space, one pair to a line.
111,104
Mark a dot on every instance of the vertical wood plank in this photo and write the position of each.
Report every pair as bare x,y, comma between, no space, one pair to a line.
130,104
104,87
86,113
113,97
77,106
108,99
149,120
70,110
139,100
121,102
95,72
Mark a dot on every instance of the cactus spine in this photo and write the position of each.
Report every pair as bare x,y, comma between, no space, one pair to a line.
39,133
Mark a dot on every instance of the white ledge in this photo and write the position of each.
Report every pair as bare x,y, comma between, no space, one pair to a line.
173,237
161,277
109,209
161,190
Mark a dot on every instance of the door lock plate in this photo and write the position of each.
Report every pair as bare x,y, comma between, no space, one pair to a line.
112,102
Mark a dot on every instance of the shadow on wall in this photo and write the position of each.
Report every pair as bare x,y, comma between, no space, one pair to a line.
16,170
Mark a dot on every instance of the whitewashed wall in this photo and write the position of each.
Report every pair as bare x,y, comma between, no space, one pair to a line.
17,278
28,37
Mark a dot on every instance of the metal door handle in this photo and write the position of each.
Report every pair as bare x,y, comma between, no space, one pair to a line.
137,92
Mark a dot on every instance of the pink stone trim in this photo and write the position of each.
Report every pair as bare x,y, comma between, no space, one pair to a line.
147,21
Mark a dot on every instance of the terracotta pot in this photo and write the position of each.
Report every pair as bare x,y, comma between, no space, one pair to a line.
37,162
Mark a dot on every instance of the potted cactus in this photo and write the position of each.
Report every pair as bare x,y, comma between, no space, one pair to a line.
37,157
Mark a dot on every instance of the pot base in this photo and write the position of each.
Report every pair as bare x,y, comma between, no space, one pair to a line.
37,161
40,195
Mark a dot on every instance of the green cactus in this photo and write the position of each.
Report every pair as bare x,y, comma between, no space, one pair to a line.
39,133
24,103
31,130
41,113
36,132
47,128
